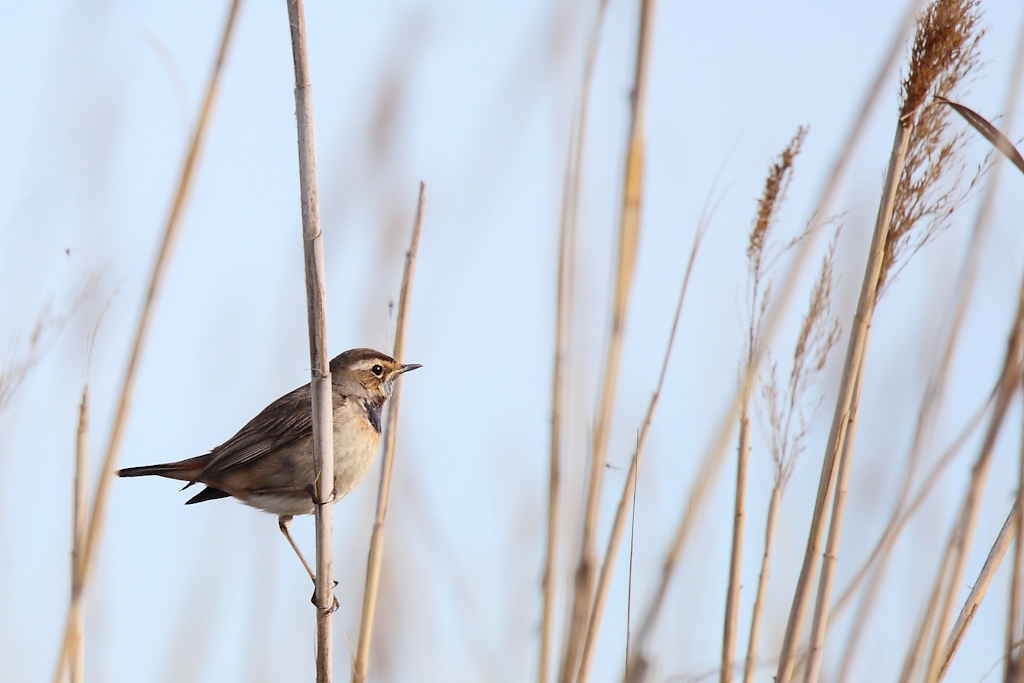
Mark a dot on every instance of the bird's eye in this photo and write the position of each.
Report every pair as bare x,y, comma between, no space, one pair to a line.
377,370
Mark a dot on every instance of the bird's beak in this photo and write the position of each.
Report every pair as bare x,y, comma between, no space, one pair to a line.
406,368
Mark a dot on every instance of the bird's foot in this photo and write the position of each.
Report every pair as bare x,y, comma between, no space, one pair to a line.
334,607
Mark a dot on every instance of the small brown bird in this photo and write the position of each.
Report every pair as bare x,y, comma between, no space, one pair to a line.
268,464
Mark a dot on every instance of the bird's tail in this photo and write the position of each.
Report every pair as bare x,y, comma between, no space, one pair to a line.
183,470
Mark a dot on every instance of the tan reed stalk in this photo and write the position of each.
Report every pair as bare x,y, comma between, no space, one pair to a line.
964,530
901,515
79,518
171,230
628,235
1014,627
944,51
758,262
819,332
750,664
319,360
970,608
563,330
851,369
628,490
376,554
712,458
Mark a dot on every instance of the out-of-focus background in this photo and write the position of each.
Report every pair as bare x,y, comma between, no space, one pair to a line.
476,99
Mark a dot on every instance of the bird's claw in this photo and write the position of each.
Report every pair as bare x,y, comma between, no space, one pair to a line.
334,607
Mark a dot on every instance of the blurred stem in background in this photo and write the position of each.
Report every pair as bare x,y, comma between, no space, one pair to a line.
361,666
170,235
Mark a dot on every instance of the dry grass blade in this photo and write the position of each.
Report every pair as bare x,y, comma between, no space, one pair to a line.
628,236
171,230
970,608
563,330
320,380
621,512
376,554
80,512
990,132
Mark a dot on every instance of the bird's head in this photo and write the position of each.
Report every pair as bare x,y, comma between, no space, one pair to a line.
367,373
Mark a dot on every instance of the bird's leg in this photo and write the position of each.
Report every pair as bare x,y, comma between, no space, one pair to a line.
282,522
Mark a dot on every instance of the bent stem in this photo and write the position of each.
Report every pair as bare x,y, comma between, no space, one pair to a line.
376,553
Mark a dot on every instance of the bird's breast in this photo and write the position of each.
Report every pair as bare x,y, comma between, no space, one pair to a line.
355,446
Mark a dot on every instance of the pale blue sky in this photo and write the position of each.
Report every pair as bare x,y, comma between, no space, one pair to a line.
99,98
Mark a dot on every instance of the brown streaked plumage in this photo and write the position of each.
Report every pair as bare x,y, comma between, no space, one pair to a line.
268,464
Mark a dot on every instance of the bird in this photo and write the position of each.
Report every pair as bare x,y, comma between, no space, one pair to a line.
268,463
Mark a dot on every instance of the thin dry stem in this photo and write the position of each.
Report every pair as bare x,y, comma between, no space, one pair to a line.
628,237
970,608
818,334
621,512
762,584
900,517
1014,627
376,554
171,230
916,651
760,259
563,333
80,512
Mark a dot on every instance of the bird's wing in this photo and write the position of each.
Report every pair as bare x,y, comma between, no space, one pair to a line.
287,419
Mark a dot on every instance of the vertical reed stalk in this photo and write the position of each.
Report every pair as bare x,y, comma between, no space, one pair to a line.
319,360
171,230
762,584
376,554
843,413
622,511
821,611
79,516
970,608
732,596
628,236
563,334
